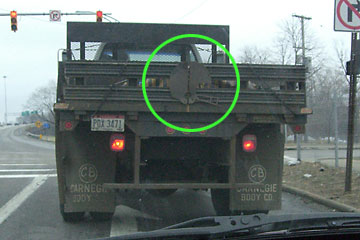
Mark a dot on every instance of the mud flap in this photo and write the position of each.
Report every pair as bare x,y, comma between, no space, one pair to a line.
87,164
259,173
84,189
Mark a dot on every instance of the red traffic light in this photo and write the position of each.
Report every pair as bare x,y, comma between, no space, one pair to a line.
13,14
13,20
99,15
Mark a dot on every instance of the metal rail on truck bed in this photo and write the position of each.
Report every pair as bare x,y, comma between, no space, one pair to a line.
278,89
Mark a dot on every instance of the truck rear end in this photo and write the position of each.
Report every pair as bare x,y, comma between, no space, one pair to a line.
107,138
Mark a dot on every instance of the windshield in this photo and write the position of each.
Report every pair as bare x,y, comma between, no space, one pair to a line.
141,54
248,108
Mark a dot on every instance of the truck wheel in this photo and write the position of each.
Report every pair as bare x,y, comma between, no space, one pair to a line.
221,201
102,216
162,192
71,216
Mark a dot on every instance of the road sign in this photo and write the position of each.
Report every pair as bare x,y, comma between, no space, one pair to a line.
347,16
38,124
46,125
55,16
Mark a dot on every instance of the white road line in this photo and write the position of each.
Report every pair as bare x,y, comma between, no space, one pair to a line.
28,175
19,198
28,170
124,220
23,164
20,153
7,158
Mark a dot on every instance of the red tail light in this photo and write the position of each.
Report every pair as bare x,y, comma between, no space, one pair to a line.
249,143
117,142
68,125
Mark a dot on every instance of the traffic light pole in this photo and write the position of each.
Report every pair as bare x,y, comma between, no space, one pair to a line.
352,102
55,16
62,14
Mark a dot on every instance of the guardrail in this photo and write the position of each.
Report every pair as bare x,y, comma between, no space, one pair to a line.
41,137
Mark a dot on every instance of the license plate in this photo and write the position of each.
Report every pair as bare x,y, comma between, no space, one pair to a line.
112,123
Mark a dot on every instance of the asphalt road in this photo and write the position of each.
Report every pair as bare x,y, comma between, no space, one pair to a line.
326,156
29,207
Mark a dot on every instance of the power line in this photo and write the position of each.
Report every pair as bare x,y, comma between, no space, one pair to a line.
191,11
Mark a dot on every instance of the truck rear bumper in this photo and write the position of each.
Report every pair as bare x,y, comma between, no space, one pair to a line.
172,185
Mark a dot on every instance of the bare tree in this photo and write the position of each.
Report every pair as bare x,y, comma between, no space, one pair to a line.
287,47
329,81
342,53
42,101
255,55
282,50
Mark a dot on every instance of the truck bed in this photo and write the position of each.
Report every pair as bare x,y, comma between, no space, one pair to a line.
265,89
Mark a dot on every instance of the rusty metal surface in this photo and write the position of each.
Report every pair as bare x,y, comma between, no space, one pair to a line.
247,71
224,96
185,79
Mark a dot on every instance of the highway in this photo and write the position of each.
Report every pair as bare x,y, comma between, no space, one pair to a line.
29,207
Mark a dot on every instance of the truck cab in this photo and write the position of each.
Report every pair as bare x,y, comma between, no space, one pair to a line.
135,53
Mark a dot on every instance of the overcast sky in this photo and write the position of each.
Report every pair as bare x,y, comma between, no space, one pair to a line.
29,56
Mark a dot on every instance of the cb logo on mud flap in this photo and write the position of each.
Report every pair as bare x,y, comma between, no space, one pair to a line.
88,173
257,174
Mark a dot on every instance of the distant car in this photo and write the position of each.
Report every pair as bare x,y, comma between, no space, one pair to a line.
16,124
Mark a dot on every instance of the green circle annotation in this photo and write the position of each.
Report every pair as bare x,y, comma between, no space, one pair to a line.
207,127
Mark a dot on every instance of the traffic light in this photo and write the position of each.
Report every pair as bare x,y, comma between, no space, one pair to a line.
99,16
13,18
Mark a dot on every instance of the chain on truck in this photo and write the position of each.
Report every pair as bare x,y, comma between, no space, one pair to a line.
107,139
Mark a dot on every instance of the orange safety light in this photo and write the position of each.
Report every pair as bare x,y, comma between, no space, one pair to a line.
249,143
99,16
13,20
117,142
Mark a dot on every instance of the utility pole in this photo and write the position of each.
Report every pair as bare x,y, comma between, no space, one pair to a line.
5,114
302,18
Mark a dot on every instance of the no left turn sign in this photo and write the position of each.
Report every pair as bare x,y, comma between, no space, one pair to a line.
347,15
55,16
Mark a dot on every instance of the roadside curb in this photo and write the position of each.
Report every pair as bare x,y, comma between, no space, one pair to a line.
44,138
318,199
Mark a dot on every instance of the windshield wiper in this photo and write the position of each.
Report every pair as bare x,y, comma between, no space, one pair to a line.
245,225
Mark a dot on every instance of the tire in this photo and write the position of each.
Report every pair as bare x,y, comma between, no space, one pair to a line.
102,216
221,202
71,216
162,192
